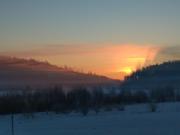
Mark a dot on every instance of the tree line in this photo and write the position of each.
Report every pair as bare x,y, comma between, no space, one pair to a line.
79,100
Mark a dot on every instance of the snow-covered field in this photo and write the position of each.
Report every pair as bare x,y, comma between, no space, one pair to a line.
135,120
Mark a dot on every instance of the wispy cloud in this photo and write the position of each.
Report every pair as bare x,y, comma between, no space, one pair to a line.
52,50
168,53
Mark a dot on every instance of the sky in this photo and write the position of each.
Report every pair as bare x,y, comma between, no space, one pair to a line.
108,37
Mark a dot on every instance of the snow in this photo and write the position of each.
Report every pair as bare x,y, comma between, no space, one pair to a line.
135,120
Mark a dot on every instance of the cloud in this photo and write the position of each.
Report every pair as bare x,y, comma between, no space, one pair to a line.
52,50
168,53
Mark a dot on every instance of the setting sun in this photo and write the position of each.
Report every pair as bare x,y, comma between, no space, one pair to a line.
127,70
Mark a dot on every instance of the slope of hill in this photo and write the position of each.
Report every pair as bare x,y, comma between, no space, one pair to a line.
155,76
17,73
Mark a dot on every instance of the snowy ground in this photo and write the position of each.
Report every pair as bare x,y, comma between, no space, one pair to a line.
135,120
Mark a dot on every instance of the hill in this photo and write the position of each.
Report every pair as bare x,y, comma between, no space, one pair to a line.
166,74
16,73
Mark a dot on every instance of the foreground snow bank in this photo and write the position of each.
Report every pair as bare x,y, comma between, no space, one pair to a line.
135,120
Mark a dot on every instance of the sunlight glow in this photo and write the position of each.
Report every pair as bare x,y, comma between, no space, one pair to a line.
127,70
113,60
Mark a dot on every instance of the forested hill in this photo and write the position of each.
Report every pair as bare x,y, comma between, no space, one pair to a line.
18,73
155,76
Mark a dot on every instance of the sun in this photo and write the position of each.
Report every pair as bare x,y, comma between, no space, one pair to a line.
127,70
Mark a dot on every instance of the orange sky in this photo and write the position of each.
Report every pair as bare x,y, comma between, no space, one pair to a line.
112,60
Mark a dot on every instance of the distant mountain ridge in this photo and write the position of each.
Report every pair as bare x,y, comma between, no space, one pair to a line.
17,73
155,76
13,62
